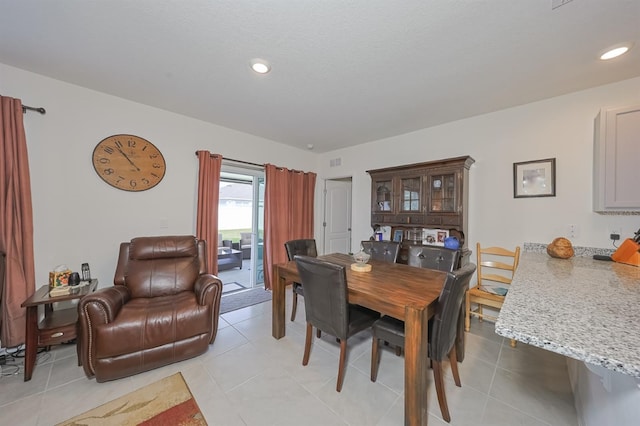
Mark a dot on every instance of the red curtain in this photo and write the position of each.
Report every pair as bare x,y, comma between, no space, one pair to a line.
208,196
288,213
16,223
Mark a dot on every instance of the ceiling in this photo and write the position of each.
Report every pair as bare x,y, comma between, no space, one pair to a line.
343,72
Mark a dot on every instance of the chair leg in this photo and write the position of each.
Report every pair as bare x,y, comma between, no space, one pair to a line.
343,356
295,306
512,343
318,333
442,398
480,315
307,344
467,313
375,358
398,351
453,360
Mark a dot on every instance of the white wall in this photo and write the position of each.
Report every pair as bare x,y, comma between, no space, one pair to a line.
79,218
560,127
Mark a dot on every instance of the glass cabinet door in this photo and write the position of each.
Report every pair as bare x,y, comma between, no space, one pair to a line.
410,193
383,200
443,193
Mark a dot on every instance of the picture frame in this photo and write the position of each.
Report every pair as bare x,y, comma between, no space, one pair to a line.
442,234
397,235
434,237
535,178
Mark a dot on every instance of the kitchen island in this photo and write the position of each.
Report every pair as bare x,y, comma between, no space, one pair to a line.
589,311
582,308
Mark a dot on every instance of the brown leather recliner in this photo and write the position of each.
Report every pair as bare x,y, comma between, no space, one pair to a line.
163,308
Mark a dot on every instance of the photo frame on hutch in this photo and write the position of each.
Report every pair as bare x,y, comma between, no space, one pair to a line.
397,235
534,178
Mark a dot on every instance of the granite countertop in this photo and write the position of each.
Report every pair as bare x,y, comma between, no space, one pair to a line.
582,308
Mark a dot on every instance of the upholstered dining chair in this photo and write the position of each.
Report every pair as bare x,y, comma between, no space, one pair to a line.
496,267
327,307
433,257
385,251
443,330
304,247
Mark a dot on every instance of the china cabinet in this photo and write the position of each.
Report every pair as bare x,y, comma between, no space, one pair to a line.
411,197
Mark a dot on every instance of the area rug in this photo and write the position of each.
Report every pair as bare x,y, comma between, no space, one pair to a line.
165,402
232,287
243,299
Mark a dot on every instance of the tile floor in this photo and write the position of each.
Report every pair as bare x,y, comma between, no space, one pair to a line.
248,378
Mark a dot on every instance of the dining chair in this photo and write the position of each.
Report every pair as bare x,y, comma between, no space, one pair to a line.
305,247
327,307
385,251
496,267
443,330
433,257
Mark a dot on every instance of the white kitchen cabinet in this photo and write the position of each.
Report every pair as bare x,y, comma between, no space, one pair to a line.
616,173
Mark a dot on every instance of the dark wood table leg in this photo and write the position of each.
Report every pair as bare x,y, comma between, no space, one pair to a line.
278,304
31,342
416,365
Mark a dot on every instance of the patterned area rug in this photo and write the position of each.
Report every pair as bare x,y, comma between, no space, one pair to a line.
243,299
165,402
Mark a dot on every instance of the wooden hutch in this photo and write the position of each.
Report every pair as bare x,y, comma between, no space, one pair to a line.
430,195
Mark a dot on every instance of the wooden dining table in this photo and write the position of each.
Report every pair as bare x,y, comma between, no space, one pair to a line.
403,292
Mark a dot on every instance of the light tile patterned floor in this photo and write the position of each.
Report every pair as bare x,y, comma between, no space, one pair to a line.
248,378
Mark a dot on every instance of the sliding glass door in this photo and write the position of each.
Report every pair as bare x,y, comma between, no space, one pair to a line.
241,225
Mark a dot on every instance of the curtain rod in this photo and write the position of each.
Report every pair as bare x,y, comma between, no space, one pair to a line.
250,163
26,108
236,161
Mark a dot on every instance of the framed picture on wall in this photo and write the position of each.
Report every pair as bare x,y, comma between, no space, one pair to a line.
397,235
534,178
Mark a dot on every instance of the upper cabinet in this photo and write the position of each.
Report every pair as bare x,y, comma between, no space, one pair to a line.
430,195
616,161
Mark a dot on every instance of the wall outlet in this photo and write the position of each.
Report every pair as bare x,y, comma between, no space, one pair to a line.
573,231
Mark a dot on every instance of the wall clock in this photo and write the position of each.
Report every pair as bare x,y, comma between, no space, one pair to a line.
128,162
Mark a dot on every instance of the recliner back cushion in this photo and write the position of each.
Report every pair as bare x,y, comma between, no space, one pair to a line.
161,266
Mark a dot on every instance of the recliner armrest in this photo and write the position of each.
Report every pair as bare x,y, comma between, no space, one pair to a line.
208,288
94,309
105,302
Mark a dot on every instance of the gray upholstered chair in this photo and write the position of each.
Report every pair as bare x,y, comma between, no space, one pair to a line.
385,251
443,330
245,244
223,243
304,247
433,257
327,307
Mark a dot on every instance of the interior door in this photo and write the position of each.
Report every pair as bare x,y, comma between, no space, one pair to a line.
337,215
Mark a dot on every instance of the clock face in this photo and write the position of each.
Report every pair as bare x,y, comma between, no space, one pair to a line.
128,162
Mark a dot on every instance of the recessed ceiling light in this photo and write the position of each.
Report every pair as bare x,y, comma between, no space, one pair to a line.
260,66
615,52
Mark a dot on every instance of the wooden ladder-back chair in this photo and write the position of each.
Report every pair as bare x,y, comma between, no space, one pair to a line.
496,267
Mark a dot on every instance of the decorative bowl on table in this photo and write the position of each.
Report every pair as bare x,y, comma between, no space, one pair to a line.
361,259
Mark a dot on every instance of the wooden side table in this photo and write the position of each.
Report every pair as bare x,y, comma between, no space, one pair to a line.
56,327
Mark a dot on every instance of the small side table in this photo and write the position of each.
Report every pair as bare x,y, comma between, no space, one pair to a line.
56,327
